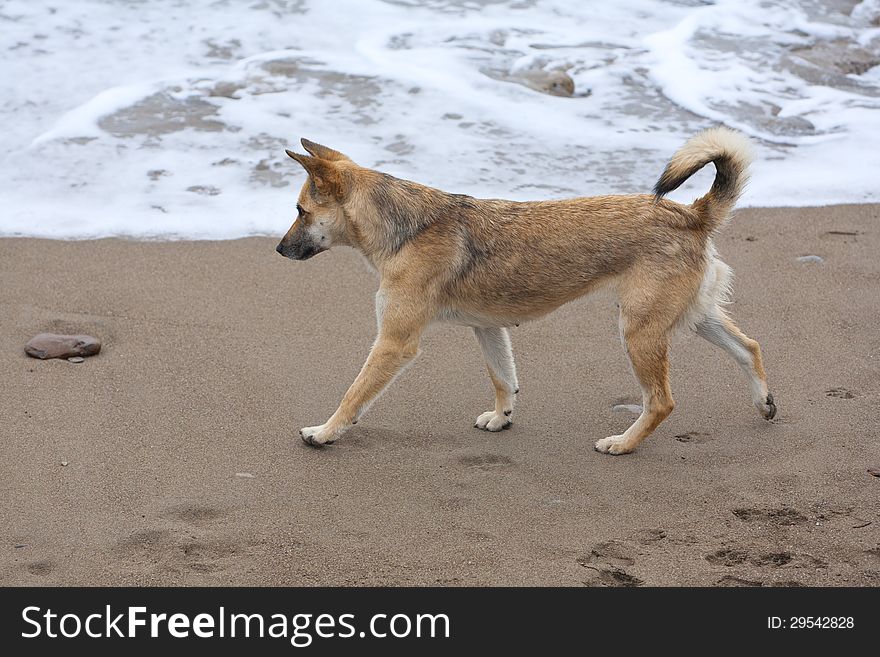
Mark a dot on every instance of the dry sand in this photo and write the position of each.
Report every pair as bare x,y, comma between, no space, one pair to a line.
216,352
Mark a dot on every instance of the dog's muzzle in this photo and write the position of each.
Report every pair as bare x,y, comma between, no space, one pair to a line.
298,252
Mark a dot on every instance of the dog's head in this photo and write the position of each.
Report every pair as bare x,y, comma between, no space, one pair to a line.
321,220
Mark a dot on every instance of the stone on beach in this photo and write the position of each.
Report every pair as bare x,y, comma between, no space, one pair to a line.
53,345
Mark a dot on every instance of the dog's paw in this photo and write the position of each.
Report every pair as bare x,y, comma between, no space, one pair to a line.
317,436
767,407
493,421
613,445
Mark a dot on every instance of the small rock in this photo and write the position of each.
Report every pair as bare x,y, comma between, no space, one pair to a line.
874,472
226,90
811,258
53,345
244,475
559,83
20,546
204,190
555,83
63,464
76,359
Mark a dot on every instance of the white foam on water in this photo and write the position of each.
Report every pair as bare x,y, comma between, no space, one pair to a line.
164,119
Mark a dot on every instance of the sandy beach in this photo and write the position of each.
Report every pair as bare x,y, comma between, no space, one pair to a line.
183,464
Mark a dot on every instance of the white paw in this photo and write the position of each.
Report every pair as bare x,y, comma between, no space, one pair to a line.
492,421
613,445
317,436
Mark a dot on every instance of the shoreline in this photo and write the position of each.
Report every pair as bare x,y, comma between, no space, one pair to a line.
215,352
175,238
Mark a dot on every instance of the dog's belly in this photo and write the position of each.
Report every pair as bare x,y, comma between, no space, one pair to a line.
515,300
471,318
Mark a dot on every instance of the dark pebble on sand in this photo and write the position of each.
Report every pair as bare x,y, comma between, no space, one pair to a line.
53,345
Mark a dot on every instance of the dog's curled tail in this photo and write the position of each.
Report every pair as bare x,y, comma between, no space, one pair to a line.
731,153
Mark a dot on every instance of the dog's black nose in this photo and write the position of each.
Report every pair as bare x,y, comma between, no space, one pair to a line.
280,248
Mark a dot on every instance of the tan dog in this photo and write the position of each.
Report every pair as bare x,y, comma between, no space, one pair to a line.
491,264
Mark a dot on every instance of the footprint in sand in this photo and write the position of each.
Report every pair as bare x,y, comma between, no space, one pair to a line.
840,393
782,517
739,555
485,462
187,544
142,542
610,552
206,556
608,560
614,577
730,580
648,536
173,552
41,568
775,559
693,437
727,557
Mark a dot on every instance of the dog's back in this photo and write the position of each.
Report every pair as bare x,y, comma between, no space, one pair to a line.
519,260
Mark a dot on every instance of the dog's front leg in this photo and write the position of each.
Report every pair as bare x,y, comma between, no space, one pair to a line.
395,347
495,343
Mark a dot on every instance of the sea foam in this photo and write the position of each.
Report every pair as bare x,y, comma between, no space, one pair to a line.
164,119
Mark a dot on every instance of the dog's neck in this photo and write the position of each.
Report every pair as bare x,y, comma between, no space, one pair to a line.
387,213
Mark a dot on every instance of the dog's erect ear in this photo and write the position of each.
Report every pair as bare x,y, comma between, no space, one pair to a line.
327,178
322,151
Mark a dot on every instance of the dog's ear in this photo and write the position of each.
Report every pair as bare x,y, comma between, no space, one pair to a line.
323,152
326,177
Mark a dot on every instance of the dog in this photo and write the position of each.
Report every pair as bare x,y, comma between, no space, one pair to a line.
493,264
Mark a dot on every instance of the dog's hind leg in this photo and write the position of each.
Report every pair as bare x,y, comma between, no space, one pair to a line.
717,328
495,343
647,349
650,309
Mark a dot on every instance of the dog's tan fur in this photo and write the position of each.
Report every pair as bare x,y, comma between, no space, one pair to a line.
491,264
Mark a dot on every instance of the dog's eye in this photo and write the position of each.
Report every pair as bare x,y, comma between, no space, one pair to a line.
299,210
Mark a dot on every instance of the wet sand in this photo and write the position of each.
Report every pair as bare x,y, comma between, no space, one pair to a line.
184,467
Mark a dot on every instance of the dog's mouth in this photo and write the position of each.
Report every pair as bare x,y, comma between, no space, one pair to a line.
299,254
